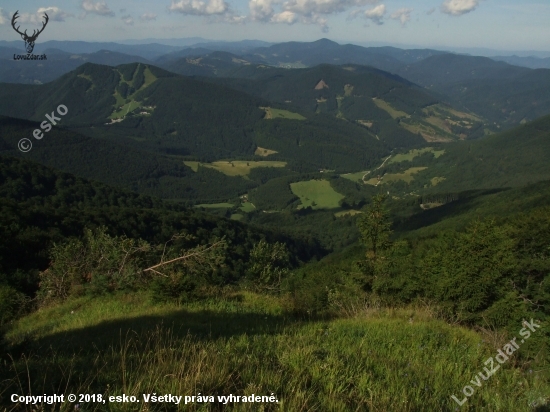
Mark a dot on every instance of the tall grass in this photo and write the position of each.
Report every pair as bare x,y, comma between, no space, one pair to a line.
376,359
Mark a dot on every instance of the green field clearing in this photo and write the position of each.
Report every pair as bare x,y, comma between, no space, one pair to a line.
445,112
271,113
396,114
247,207
410,155
261,151
348,90
355,177
129,104
318,194
193,165
406,176
89,78
86,76
347,213
437,180
216,205
429,133
119,99
126,108
236,216
149,78
235,167
440,123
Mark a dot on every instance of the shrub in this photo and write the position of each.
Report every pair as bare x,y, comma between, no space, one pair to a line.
12,304
97,264
269,264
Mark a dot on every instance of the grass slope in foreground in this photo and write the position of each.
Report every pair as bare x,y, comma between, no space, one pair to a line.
244,344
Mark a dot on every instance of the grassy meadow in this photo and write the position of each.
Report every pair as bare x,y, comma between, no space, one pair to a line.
411,154
396,114
366,358
406,176
317,194
355,177
261,151
234,167
271,113
216,205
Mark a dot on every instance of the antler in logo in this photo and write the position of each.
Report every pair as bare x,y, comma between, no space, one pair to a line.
29,40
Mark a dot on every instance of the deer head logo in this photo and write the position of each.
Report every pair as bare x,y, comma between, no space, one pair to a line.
29,40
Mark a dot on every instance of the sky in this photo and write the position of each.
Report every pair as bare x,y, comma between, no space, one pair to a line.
495,24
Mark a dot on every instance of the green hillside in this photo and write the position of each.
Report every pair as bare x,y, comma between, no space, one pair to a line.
391,108
118,165
148,108
514,158
500,92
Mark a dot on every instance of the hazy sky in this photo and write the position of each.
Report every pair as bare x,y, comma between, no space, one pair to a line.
498,24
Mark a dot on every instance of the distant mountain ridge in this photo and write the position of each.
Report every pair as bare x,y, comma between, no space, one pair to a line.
504,94
531,62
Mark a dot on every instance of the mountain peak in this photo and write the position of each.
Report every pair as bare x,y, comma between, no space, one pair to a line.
325,42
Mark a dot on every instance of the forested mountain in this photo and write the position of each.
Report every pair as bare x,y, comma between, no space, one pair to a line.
531,62
446,69
147,107
324,51
179,54
387,104
118,165
500,92
503,94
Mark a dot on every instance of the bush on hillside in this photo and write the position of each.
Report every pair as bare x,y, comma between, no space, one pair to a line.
96,264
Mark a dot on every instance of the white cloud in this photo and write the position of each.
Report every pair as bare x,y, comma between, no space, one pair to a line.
459,7
234,19
148,17
128,20
100,8
4,18
200,7
376,14
310,7
403,15
54,14
304,11
261,10
288,17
